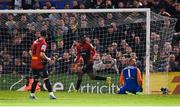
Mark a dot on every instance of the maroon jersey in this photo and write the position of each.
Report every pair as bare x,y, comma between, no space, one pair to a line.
37,47
86,51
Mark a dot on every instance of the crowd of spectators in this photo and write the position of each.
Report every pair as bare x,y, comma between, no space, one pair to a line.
114,40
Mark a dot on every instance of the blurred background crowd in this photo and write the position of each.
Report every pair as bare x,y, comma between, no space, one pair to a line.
113,38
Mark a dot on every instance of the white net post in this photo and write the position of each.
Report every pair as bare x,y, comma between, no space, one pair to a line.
148,21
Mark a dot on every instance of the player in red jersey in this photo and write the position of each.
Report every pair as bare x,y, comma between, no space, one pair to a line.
38,57
86,51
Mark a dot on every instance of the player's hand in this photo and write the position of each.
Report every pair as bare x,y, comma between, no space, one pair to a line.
50,61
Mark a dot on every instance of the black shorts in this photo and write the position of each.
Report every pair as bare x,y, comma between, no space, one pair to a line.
87,68
37,73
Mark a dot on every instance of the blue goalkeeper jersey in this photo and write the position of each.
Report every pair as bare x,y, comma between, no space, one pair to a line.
130,77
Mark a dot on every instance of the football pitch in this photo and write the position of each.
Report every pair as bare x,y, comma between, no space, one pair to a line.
13,98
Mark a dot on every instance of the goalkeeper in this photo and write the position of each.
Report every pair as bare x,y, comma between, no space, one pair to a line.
130,79
86,51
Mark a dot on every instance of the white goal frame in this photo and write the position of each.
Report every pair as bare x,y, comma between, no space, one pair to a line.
147,10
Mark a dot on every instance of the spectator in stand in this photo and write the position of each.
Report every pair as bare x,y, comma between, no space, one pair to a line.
109,18
123,45
10,23
48,4
66,6
155,56
113,49
120,5
138,47
65,63
60,23
23,23
128,52
75,4
96,44
16,47
72,33
58,35
60,46
18,67
53,17
173,64
29,37
156,6
5,61
164,56
39,19
137,4
82,6
98,63
176,51
109,4
53,50
28,4
110,36
155,38
17,4
109,64
25,61
53,54
123,62
99,4
84,21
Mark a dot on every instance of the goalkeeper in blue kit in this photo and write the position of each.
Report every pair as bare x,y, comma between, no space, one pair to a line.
130,79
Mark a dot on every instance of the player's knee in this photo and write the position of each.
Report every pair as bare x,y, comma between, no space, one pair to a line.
121,90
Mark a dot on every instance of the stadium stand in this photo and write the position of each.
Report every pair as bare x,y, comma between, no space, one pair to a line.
14,30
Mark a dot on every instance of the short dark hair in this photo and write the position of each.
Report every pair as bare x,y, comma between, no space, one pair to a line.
83,38
43,33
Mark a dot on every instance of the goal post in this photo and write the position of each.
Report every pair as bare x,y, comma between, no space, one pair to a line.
129,23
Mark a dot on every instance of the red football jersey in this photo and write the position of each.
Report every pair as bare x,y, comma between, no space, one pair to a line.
37,47
86,51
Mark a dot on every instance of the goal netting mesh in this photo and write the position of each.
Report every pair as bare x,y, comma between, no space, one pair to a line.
116,36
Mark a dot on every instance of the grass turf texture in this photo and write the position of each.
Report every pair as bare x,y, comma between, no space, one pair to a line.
14,98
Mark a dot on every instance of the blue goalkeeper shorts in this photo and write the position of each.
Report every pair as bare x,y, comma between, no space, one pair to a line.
134,90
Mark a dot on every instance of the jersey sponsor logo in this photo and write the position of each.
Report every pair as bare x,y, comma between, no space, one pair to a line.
43,48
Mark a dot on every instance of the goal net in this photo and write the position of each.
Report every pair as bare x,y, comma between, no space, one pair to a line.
117,34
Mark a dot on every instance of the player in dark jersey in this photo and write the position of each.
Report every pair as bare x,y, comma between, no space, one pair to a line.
86,51
130,79
38,57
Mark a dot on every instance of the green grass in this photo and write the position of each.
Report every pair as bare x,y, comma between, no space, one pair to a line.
84,99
